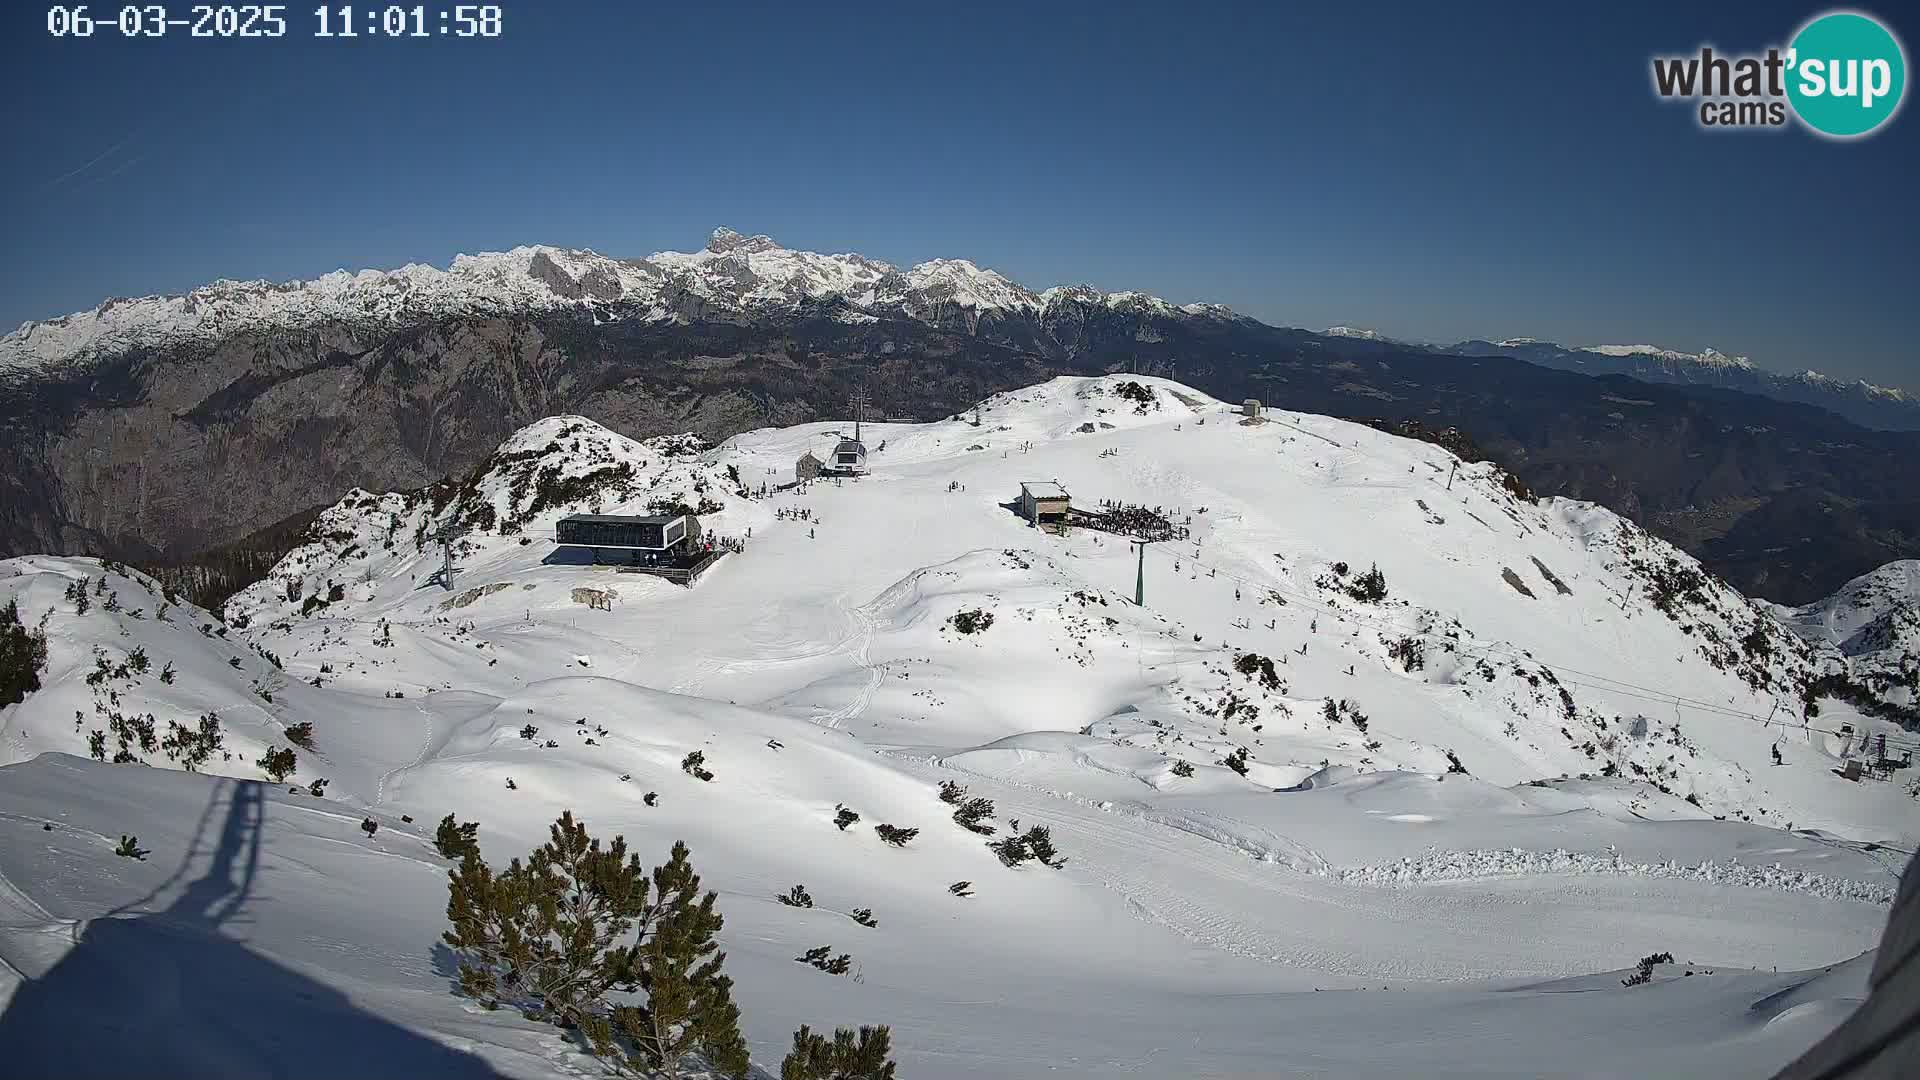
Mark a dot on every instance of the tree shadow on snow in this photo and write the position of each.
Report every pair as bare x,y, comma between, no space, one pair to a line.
167,995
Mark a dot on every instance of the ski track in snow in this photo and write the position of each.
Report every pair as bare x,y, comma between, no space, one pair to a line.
1438,866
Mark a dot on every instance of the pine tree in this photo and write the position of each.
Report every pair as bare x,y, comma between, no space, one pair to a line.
689,1003
130,848
952,793
847,1057
552,935
1039,841
971,814
1182,768
23,656
798,896
843,817
864,916
455,839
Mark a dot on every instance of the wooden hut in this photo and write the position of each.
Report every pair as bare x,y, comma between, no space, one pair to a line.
807,468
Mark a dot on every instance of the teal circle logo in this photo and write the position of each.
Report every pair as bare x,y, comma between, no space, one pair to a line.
1846,74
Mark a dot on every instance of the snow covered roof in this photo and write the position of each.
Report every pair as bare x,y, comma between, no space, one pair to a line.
1044,489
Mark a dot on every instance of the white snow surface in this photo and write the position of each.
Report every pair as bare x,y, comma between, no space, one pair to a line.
1346,906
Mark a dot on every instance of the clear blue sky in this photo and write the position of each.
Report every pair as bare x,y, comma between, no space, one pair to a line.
1430,170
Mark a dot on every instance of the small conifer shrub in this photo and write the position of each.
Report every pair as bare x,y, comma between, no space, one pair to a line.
895,835
798,896
130,848
843,817
847,1057
278,764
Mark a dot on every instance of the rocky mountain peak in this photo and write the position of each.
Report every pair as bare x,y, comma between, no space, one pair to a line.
725,241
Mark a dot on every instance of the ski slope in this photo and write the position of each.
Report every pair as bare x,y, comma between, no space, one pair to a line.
1346,902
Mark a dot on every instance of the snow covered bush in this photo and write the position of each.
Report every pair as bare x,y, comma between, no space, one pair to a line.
1237,761
301,734
1011,851
864,916
971,815
843,817
193,747
278,764
1182,769
846,1057
894,835
1410,651
694,765
1644,973
821,957
798,896
1255,666
1369,587
974,621
130,848
576,922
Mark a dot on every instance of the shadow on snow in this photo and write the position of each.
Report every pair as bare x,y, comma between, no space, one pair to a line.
168,995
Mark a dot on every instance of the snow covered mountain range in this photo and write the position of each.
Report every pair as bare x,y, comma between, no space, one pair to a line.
1862,402
734,276
1385,725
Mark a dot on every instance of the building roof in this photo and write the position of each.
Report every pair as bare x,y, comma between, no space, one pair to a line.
808,456
846,445
626,519
1044,489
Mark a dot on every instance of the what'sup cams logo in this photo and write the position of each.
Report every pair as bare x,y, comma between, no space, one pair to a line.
1843,76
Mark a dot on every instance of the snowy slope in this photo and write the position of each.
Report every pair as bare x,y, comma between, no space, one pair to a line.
1251,776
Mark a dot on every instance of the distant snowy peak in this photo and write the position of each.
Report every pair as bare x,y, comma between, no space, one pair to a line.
1355,332
1710,358
1890,393
733,275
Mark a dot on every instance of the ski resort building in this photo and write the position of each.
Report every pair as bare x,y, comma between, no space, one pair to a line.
1251,408
850,457
642,539
1045,504
807,468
